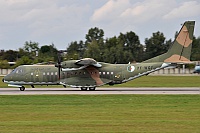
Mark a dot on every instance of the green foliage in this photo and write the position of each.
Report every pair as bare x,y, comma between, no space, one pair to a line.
47,53
4,64
156,45
94,34
25,60
131,45
75,50
195,56
122,49
93,50
31,46
9,55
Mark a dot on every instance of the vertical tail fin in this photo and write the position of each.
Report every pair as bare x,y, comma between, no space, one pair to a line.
181,48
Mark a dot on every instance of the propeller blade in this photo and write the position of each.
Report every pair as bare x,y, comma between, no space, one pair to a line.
59,65
59,62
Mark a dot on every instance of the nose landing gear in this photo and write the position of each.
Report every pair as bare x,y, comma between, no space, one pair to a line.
22,88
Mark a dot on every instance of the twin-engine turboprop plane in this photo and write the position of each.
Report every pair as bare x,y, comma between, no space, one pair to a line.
87,73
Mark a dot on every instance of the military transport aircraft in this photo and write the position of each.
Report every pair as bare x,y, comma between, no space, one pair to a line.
87,73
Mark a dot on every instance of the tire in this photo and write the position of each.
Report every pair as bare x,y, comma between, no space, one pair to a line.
22,88
92,88
84,88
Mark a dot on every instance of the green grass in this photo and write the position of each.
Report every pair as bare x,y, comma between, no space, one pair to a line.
150,81
100,113
164,81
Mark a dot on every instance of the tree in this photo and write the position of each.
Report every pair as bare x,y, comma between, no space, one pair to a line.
31,46
155,45
22,52
115,51
94,34
195,53
93,51
4,64
9,55
75,50
47,53
130,42
25,60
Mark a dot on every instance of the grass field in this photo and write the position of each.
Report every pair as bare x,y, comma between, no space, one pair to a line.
100,113
150,81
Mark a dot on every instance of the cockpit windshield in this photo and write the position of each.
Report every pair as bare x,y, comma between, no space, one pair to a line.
18,70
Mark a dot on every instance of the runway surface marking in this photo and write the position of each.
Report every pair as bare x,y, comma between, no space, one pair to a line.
98,91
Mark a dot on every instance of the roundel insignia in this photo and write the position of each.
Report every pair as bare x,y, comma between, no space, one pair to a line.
130,68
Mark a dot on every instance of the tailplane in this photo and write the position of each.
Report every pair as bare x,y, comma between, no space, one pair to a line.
181,48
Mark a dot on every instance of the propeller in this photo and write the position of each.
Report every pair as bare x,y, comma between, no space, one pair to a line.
59,62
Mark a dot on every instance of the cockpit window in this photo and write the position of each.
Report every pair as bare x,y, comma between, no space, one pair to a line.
17,70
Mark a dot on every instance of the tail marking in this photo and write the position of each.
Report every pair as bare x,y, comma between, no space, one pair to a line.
177,58
183,37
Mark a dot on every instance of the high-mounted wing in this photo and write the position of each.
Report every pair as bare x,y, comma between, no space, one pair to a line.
87,62
72,65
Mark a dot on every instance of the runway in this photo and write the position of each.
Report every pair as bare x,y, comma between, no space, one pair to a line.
99,91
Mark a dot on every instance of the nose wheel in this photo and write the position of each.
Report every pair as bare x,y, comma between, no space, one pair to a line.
22,88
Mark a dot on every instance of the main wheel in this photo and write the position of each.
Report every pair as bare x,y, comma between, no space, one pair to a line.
22,88
83,88
92,88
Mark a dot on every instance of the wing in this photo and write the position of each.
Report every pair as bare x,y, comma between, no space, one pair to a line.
87,62
80,64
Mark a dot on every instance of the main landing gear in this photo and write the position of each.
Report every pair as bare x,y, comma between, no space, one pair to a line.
90,88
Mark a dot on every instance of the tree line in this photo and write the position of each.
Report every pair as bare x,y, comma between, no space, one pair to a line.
123,48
